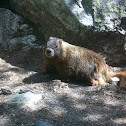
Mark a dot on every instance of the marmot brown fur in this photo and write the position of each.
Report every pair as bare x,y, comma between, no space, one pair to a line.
72,61
121,75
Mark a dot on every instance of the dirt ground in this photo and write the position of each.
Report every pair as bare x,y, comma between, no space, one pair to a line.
72,104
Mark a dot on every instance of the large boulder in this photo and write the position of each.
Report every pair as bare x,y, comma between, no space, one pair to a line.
4,4
18,36
96,24
15,32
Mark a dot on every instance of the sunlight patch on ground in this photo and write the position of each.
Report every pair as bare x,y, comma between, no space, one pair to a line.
92,117
80,106
113,102
76,95
58,110
4,121
11,75
120,121
51,103
124,107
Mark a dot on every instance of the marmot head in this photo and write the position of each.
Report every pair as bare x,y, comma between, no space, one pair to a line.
53,47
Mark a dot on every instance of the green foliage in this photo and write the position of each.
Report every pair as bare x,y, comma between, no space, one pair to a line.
97,3
109,5
97,20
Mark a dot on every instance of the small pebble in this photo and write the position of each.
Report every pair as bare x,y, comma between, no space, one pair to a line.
42,123
24,90
56,81
6,90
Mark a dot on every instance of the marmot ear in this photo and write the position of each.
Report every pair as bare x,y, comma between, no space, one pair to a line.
60,41
50,38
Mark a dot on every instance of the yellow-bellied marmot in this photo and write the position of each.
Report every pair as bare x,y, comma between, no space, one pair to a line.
72,61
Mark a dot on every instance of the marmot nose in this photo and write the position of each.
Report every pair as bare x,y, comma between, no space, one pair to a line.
48,51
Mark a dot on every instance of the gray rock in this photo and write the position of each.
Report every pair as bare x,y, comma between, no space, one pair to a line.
26,40
24,100
15,33
24,90
96,24
6,90
103,15
42,123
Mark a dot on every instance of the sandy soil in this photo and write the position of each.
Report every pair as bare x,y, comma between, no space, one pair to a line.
66,103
